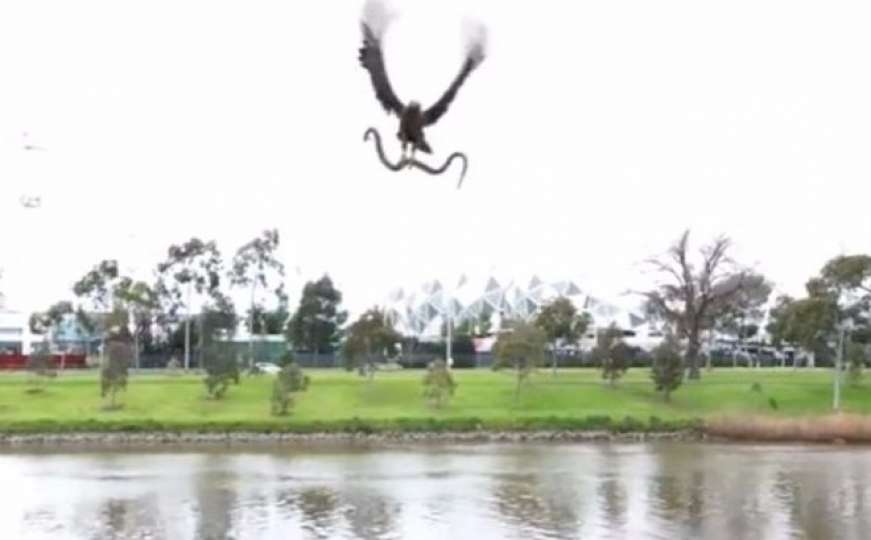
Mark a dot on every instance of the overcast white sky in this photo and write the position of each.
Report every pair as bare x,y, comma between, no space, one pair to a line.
596,131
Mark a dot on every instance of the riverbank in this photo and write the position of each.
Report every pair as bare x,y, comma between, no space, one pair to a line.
746,404
194,439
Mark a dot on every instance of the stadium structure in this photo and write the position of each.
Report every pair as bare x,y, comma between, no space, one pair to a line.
422,311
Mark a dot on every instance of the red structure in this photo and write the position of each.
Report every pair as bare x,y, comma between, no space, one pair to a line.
19,361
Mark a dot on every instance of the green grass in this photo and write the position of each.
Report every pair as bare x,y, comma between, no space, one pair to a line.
340,401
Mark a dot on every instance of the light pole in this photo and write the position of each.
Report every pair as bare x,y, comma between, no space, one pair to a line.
449,320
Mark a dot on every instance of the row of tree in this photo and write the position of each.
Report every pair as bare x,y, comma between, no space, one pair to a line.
220,366
189,301
695,295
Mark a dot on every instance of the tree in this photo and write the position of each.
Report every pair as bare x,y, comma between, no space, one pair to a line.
97,288
693,301
612,353
438,383
254,264
317,322
849,279
221,370
41,365
844,287
140,300
808,322
98,284
289,380
49,323
370,337
741,317
777,326
562,324
113,374
271,321
217,318
521,349
849,272
190,269
667,369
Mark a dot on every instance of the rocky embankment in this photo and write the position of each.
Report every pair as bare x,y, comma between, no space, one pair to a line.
121,439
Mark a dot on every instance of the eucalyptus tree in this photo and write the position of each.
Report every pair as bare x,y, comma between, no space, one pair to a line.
191,272
97,290
256,265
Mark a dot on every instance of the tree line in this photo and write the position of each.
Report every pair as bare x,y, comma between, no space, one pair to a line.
696,293
187,304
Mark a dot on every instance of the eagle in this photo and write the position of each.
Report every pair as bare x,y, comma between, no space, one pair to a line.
412,117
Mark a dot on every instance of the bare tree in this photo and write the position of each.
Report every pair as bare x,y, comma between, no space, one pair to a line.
693,300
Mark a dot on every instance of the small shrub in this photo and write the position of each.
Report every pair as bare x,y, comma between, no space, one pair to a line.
41,366
631,425
667,367
438,384
772,403
255,370
612,354
855,362
113,374
616,362
288,381
522,350
756,387
286,359
221,370
173,367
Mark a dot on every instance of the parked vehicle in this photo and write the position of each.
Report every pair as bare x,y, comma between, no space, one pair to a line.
267,367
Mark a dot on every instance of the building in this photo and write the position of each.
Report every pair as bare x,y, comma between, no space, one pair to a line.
15,334
266,347
422,311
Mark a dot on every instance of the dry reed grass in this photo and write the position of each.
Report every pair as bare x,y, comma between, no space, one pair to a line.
830,428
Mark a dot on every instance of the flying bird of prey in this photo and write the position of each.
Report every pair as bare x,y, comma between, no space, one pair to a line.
30,201
412,117
29,146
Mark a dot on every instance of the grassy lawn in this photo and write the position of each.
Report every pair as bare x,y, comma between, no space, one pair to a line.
485,398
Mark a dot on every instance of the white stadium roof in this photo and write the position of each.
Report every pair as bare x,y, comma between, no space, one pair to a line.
421,310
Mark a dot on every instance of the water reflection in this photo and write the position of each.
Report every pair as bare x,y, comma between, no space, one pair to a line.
564,491
318,508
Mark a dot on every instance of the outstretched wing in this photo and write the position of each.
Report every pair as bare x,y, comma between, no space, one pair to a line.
474,56
374,23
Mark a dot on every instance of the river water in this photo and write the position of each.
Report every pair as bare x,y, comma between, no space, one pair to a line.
657,490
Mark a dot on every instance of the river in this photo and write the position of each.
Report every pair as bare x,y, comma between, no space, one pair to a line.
522,491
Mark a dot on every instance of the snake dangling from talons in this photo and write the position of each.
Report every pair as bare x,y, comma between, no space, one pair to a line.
411,162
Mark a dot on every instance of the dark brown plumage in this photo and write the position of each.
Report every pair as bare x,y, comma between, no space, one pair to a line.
412,118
